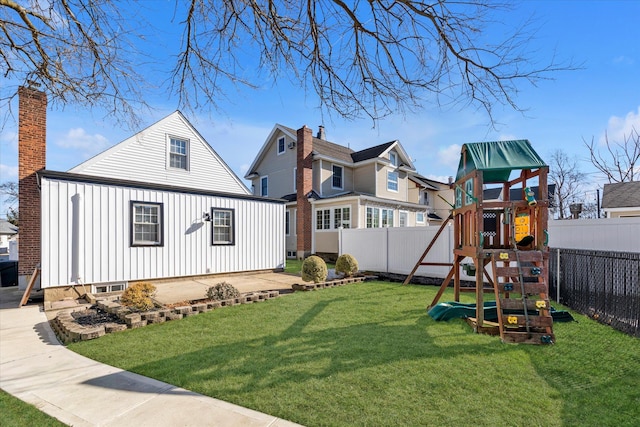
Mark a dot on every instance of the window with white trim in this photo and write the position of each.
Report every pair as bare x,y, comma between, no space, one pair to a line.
403,218
295,179
264,186
337,177
178,153
281,145
393,158
420,217
323,219
387,217
222,226
342,217
373,217
392,181
146,224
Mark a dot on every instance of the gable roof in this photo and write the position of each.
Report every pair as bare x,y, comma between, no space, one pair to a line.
497,159
332,151
143,157
621,195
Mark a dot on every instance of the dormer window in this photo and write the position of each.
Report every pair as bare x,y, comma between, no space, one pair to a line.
393,158
178,153
281,145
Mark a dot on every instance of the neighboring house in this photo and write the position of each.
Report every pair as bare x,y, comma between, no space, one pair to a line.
329,186
161,204
621,199
8,233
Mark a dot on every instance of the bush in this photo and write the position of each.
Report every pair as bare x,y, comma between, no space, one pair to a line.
222,291
139,296
347,265
314,269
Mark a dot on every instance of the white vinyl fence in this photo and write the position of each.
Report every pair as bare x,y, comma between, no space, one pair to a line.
396,250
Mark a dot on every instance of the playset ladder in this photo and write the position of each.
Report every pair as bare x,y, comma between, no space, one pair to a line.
525,318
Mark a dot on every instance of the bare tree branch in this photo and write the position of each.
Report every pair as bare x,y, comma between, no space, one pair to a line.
568,178
623,161
361,58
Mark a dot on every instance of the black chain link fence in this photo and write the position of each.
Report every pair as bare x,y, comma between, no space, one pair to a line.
604,285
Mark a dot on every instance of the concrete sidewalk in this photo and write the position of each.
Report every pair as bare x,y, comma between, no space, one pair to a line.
78,391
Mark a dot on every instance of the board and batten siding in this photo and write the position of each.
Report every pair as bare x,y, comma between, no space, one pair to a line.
86,234
144,157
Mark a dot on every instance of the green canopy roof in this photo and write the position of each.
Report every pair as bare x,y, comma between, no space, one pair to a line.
497,159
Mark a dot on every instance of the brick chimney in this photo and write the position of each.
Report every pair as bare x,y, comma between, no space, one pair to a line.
32,137
304,177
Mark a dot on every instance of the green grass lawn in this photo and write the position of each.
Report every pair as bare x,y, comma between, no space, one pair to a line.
16,413
369,355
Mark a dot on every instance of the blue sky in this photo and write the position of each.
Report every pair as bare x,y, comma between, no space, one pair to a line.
603,95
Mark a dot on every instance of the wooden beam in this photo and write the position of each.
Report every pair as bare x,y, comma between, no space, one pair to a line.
32,281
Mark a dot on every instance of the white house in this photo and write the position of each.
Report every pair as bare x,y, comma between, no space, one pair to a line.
161,204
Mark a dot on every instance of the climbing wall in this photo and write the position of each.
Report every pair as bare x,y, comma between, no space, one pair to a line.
522,296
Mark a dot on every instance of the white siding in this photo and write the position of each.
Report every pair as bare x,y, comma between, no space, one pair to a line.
143,157
93,245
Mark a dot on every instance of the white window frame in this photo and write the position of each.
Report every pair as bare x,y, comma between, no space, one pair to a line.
218,215
387,217
138,225
372,219
295,179
393,158
281,143
420,217
323,219
333,175
185,156
403,219
391,182
341,222
99,288
264,188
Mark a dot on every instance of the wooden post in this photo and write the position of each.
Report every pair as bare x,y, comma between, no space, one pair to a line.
32,281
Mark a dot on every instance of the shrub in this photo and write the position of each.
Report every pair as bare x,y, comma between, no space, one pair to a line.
347,265
139,296
314,269
222,291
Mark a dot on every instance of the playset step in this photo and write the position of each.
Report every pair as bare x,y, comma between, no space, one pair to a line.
521,290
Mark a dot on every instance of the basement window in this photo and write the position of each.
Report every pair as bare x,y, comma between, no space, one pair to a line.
104,288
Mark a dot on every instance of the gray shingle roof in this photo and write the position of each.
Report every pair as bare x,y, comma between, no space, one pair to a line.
7,228
621,195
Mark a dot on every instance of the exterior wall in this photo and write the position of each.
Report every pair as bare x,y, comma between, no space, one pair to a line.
32,137
413,192
86,234
290,239
381,184
440,207
278,168
325,178
326,242
144,157
622,212
364,178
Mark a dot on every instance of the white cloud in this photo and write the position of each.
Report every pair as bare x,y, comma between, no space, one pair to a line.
450,156
620,128
79,139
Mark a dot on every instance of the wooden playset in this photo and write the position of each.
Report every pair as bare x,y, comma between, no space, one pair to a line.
505,239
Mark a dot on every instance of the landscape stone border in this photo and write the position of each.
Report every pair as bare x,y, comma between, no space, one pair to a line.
68,330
